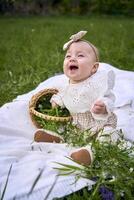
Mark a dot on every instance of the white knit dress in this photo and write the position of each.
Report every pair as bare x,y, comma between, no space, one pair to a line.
79,99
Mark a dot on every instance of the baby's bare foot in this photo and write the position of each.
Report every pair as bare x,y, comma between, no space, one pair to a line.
42,136
82,156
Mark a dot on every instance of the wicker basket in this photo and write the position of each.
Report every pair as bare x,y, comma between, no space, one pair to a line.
33,112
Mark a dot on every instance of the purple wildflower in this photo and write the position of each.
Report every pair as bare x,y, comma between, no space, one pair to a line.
106,194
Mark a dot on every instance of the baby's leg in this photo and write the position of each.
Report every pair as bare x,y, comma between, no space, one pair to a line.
46,136
82,156
108,134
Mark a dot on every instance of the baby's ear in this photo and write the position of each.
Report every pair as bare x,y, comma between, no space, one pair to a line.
95,67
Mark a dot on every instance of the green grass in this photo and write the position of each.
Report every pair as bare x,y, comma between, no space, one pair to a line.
31,47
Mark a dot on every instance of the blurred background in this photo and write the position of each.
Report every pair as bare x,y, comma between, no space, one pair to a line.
52,7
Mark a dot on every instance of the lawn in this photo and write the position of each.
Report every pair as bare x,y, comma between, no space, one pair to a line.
31,47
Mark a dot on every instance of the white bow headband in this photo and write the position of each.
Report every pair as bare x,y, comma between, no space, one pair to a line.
76,37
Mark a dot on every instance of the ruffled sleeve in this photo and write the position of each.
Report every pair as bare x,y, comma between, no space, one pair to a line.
108,98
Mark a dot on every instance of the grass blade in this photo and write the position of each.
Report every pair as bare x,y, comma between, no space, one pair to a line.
3,193
35,182
46,197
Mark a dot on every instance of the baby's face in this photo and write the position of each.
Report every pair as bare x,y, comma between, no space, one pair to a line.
79,62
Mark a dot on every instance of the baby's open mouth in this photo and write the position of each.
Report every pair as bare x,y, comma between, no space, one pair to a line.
73,67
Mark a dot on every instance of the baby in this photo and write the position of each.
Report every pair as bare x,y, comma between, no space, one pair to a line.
88,95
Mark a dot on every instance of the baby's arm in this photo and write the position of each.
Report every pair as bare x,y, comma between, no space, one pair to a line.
54,104
56,100
99,108
104,105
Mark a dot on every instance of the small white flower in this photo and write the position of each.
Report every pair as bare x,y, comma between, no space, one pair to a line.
124,145
10,73
122,193
113,179
131,169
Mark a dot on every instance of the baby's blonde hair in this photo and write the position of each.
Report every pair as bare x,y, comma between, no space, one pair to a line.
93,47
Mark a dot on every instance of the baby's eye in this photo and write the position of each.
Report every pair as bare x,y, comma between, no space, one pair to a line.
80,55
67,56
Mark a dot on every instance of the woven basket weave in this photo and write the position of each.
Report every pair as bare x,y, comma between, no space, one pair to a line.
33,112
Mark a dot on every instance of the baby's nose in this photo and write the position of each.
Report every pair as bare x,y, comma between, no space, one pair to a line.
72,58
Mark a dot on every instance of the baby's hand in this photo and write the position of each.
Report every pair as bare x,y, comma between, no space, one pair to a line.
54,105
99,108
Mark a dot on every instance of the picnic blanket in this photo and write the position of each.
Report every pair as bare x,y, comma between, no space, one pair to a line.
22,160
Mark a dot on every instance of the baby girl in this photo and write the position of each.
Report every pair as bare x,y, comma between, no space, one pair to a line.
88,95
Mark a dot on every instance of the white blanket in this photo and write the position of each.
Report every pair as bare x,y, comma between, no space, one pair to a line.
29,159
